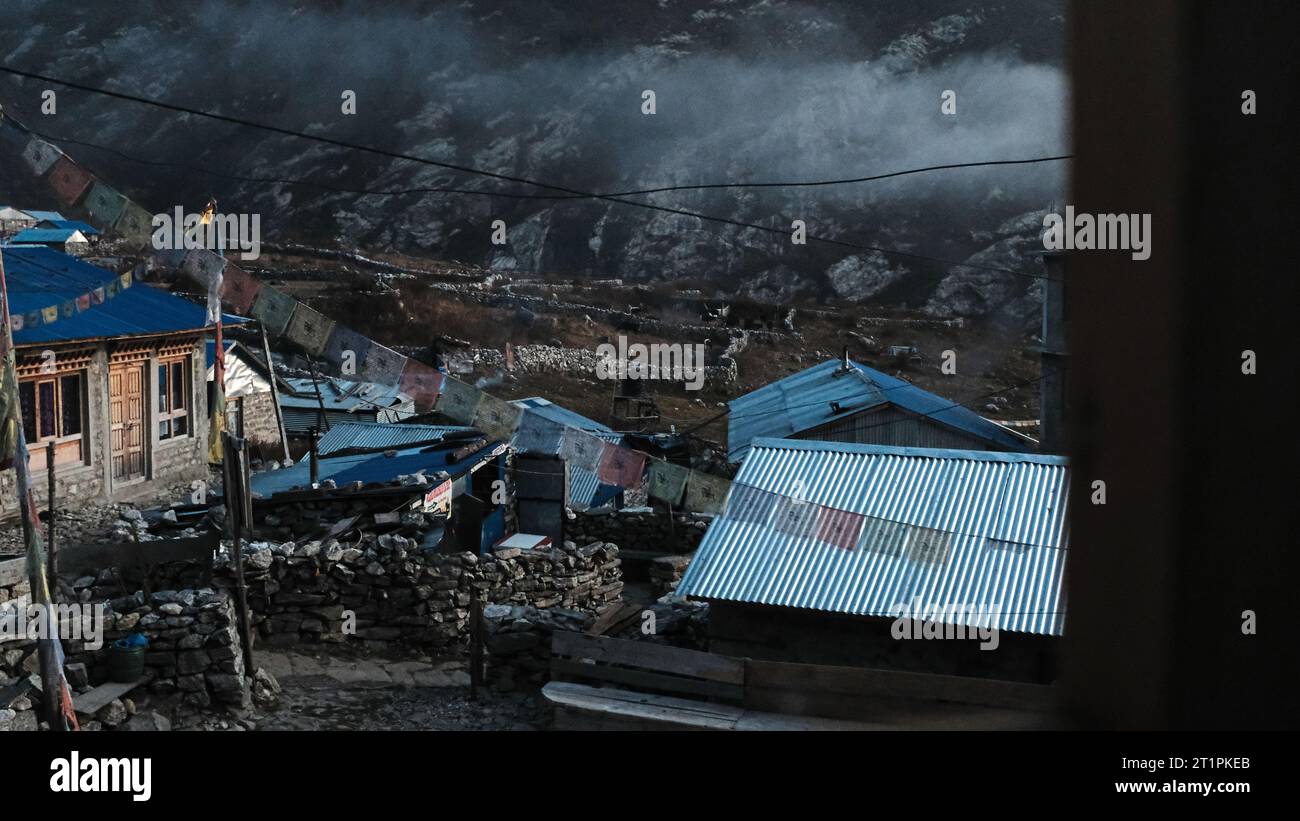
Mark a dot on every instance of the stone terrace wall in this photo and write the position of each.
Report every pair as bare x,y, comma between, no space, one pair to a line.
648,529
388,590
194,652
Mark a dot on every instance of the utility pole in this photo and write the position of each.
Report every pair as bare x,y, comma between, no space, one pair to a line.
275,392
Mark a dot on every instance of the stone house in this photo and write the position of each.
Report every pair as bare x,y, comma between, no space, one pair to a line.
111,372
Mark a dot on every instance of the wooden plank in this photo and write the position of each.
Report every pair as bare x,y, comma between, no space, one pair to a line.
855,682
610,704
612,616
656,657
567,670
756,721
92,701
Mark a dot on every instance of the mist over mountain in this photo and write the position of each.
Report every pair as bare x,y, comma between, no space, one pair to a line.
746,91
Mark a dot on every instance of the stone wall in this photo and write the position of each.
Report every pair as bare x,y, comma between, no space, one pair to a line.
260,426
641,529
385,589
195,655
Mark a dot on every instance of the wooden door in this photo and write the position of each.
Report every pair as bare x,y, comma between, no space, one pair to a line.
126,407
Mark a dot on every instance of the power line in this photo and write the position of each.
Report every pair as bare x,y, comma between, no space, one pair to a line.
503,177
394,192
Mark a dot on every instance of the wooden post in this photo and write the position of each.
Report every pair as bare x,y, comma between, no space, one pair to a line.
275,393
314,459
320,400
234,469
48,654
52,550
476,640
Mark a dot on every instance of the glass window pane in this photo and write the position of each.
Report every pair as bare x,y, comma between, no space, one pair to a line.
162,388
179,424
70,388
27,398
48,408
164,429
178,385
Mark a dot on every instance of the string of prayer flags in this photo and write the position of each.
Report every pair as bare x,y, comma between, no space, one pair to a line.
272,308
309,329
422,383
621,467
796,517
883,536
667,481
538,434
134,224
459,401
706,493
103,203
382,365
928,546
750,504
840,528
40,155
167,259
68,180
345,349
497,417
581,449
238,289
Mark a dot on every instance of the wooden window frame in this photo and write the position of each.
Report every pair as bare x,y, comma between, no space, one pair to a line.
64,452
169,390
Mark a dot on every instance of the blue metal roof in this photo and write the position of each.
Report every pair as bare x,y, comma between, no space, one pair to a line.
44,235
1006,513
210,348
73,225
803,400
585,488
369,468
41,216
380,436
41,277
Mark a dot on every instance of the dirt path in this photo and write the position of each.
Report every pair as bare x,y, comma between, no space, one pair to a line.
343,692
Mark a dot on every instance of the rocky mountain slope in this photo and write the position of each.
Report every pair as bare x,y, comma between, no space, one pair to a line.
746,90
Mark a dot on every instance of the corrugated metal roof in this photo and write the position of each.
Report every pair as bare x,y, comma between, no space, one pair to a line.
379,436
74,225
40,216
803,401
368,468
346,395
41,277
47,235
585,488
1008,512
